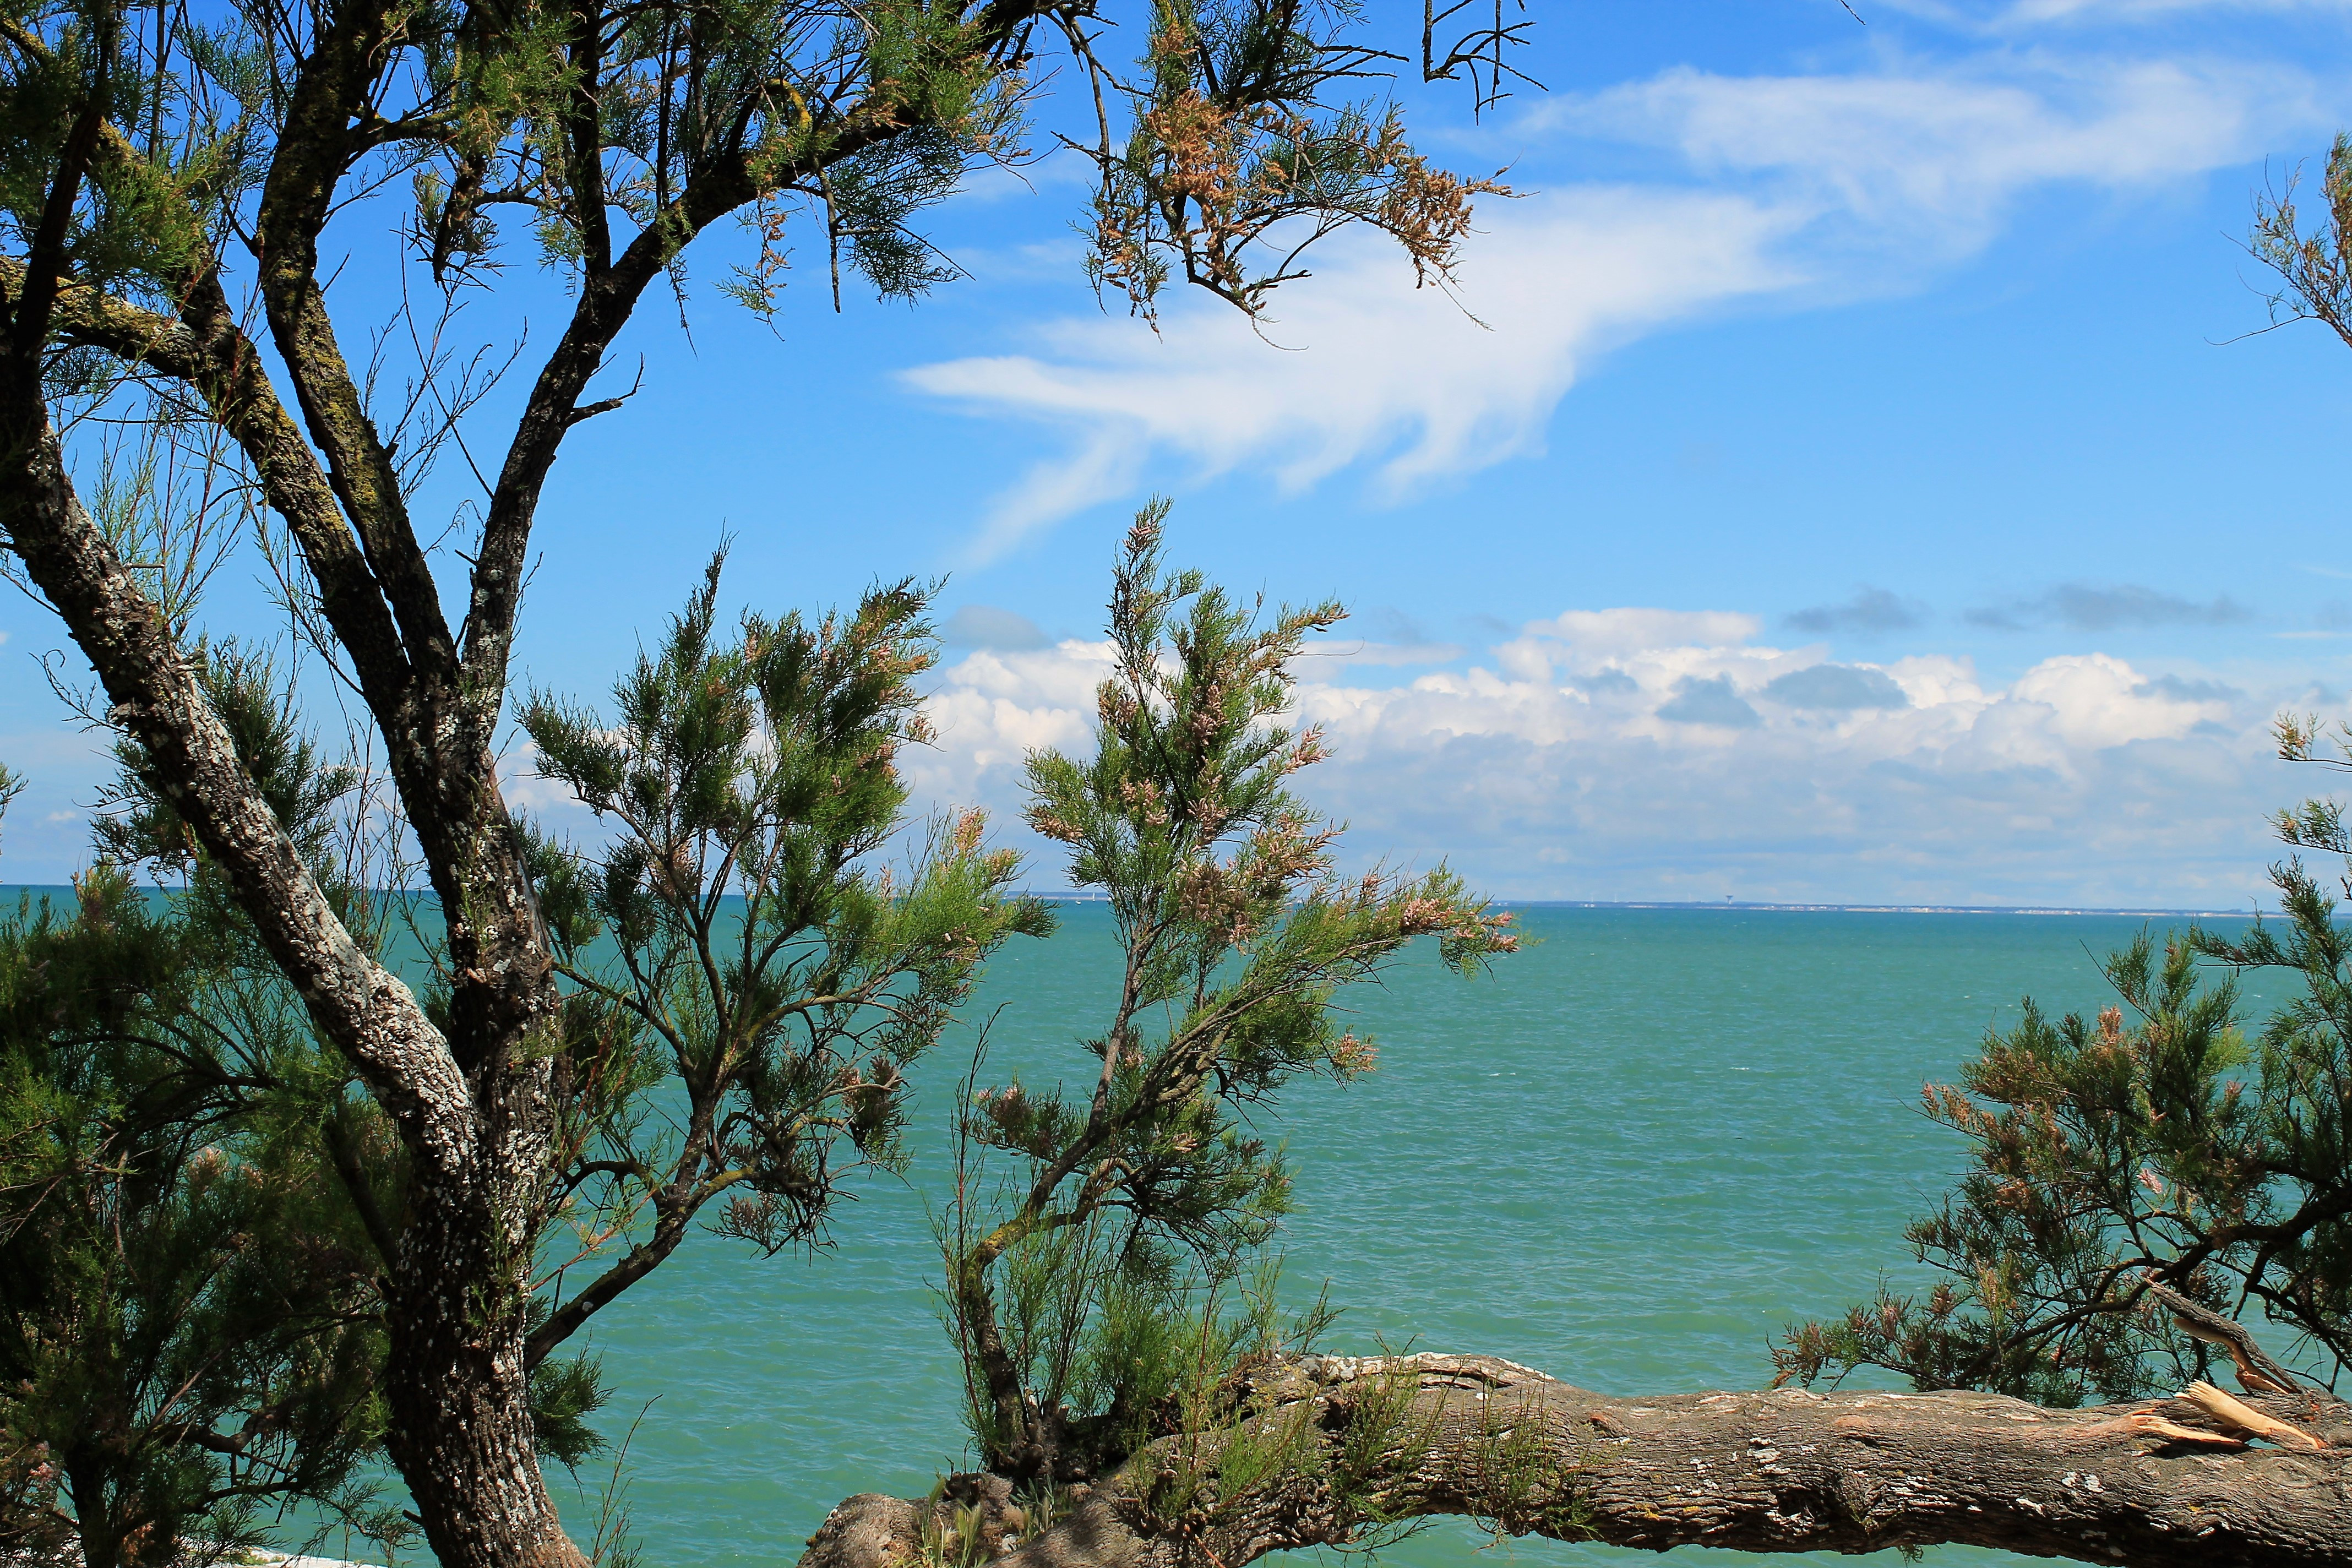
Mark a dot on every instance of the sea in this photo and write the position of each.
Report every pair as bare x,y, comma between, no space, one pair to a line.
1628,1156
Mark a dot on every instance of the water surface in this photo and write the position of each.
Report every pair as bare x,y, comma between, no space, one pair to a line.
1627,1157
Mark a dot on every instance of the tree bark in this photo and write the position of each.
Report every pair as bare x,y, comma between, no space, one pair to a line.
1338,1448
461,1427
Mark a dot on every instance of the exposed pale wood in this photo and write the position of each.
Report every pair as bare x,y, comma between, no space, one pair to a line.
2237,1414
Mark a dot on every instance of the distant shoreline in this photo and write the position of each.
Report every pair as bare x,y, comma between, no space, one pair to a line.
1068,896
1738,906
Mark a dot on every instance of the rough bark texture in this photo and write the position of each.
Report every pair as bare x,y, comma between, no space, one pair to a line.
474,1104
1362,1441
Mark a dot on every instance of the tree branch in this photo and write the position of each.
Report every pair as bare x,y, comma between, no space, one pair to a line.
206,350
1363,1441
362,1007
313,153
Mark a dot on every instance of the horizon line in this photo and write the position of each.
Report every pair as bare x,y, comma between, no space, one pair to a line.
1792,907
1781,906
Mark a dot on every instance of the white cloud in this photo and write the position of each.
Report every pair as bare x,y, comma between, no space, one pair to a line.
2016,15
1918,153
1549,769
1813,188
1585,640
1385,367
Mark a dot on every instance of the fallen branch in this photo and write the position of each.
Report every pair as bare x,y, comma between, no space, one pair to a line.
1334,1447
2257,1372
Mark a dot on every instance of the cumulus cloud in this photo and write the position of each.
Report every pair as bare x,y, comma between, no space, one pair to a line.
2089,607
1633,753
1871,612
1810,188
1579,639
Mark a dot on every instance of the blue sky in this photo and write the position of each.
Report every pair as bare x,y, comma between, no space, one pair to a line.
1856,483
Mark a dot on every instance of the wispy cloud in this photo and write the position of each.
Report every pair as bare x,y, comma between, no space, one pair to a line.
1871,612
1380,368
1809,189
2017,16
1929,159
2093,607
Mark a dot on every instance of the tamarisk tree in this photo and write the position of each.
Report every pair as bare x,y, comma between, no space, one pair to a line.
173,185
737,942
2138,1186
1138,1200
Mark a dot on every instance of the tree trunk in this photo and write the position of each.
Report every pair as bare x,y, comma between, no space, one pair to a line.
461,1432
1338,1448
96,1531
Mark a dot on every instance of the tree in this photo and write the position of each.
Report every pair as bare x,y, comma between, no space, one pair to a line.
755,952
2135,1191
169,181
190,1330
1136,1206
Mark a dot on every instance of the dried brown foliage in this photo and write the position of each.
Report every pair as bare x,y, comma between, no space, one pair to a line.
1230,187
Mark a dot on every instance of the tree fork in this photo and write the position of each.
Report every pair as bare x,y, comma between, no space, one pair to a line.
1366,1441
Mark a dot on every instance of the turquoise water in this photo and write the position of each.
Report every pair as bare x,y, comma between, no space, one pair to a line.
1628,1157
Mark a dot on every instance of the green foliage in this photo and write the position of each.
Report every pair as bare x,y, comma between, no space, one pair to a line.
742,984
1136,1203
859,117
188,1285
138,824
776,99
2161,1145
1232,1457
170,159
1383,1438
2314,269
565,1392
1238,159
1520,1483
740,940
